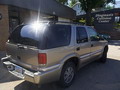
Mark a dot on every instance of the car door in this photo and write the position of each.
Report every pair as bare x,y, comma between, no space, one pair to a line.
96,42
82,44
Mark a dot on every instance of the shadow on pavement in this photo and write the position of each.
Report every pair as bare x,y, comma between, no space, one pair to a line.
5,76
95,76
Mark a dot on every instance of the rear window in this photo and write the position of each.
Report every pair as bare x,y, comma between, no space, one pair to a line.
24,35
51,36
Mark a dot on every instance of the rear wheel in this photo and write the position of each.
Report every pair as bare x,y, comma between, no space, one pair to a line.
67,74
103,59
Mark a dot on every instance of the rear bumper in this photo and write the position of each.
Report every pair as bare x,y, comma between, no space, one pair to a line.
34,77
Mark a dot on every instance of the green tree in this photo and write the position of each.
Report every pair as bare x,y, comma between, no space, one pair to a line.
72,2
109,7
88,5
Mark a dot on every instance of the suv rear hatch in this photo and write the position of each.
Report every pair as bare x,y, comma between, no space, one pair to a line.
28,43
24,43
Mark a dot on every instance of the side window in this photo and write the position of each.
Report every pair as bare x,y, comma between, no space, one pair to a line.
93,34
81,35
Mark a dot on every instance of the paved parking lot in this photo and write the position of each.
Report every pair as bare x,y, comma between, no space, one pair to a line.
95,76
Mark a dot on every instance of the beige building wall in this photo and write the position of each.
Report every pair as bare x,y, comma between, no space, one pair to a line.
24,16
64,20
34,15
4,26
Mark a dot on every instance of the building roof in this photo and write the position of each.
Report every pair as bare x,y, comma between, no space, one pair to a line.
78,3
51,7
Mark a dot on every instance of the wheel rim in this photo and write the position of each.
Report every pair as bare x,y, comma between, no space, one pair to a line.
68,75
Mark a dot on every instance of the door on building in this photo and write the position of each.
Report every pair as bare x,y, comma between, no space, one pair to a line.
14,21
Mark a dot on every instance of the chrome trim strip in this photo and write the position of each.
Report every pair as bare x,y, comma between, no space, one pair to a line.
98,51
89,54
85,56
16,73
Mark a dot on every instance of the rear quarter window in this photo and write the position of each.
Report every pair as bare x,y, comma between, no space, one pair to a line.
58,36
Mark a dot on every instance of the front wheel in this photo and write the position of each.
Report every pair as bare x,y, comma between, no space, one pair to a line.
103,59
67,74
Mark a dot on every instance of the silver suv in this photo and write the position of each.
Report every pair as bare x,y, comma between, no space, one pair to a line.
46,52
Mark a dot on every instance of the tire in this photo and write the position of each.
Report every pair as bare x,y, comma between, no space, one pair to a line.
103,59
67,75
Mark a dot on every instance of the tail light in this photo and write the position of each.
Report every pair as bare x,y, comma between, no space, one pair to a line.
42,58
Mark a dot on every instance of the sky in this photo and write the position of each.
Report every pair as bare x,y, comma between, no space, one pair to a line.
117,4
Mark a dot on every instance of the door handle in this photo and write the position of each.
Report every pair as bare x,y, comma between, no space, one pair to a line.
78,48
92,45
21,47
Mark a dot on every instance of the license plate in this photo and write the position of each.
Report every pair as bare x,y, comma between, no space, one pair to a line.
18,69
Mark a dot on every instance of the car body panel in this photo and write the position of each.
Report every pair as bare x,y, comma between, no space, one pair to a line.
27,57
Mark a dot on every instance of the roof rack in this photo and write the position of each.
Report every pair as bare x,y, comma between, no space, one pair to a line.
54,22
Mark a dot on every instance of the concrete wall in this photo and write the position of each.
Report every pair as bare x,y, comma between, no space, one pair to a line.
4,26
